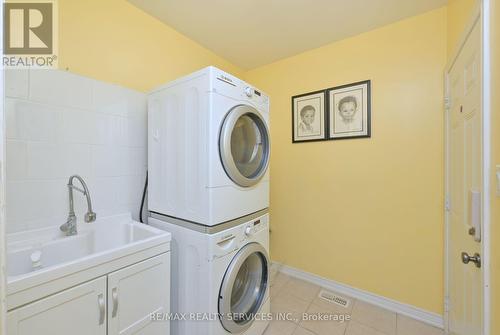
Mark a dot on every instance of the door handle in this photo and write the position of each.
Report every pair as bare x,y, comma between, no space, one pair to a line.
102,308
476,259
114,297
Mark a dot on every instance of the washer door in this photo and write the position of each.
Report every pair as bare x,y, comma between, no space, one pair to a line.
244,145
244,288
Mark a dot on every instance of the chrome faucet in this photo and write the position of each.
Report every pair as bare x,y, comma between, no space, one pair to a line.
69,228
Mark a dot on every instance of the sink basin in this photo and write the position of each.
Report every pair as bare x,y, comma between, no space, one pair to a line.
49,253
47,249
45,261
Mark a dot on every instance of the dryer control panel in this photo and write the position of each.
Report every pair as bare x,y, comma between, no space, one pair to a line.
228,85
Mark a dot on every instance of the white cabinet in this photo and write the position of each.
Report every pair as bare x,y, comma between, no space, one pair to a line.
118,303
137,291
80,310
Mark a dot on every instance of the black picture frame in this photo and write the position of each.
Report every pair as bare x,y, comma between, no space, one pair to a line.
323,127
364,114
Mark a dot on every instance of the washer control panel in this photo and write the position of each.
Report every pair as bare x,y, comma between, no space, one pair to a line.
229,241
255,227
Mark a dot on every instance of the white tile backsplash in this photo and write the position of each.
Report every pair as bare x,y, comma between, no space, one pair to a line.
77,159
112,100
59,124
29,201
17,156
61,88
16,83
45,160
32,121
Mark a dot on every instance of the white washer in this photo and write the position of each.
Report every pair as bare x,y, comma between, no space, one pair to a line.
221,274
208,140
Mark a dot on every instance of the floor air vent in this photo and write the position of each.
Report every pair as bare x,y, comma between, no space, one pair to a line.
334,299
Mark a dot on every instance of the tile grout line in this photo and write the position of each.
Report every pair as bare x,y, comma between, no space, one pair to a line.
397,321
298,325
375,329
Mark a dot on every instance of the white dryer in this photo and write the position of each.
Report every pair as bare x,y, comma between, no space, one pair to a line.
209,147
220,276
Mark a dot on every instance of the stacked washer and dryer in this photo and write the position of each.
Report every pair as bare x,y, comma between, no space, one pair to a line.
208,139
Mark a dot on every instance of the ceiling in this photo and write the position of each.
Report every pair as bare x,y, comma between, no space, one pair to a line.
257,32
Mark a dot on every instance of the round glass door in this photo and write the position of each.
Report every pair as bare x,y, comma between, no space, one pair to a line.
244,288
244,145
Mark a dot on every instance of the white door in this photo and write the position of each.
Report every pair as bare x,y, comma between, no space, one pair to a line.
464,189
80,310
137,291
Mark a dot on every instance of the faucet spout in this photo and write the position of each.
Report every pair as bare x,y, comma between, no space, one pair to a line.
69,228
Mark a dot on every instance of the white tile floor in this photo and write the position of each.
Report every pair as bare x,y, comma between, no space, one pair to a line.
294,296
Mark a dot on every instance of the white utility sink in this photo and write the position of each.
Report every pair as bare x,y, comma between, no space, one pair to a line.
40,256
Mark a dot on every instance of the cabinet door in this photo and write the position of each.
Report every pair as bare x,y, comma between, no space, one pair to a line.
80,310
137,291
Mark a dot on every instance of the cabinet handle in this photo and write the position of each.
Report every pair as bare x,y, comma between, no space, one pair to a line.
102,308
114,296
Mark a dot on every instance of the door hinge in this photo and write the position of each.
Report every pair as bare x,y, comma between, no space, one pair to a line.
447,102
447,204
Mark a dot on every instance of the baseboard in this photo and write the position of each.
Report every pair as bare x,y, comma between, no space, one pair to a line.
413,312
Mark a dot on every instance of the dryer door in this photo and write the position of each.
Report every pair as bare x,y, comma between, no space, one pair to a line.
244,288
244,145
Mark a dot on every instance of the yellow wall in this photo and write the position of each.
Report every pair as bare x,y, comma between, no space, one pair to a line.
495,123
116,42
459,15
366,212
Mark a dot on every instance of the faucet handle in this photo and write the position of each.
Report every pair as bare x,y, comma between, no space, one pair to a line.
69,228
90,217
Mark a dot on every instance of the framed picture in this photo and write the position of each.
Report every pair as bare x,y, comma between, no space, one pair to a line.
308,117
349,111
